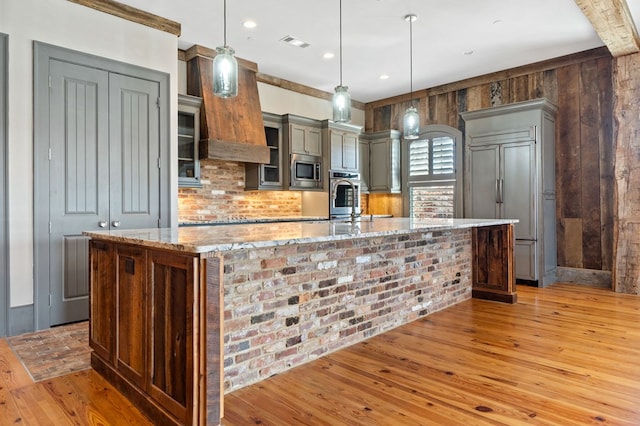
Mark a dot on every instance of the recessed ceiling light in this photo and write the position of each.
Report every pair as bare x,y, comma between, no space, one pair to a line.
328,55
383,77
249,24
295,41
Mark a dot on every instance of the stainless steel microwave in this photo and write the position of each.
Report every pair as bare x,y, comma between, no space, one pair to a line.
306,171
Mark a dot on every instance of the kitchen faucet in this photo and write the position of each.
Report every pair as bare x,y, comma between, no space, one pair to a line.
334,193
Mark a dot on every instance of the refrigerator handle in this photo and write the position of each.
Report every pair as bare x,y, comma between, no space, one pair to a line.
500,189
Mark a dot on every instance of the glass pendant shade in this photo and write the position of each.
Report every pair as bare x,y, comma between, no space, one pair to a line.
341,105
225,73
411,123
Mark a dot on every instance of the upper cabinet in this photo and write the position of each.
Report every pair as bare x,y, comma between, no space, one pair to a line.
188,139
302,135
268,176
382,173
341,142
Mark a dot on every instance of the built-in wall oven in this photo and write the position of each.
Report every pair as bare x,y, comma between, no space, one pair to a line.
344,194
306,172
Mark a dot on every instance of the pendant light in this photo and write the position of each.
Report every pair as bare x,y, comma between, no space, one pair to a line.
411,121
341,98
225,67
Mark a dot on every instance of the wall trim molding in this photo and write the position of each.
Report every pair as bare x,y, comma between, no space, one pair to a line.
591,277
21,320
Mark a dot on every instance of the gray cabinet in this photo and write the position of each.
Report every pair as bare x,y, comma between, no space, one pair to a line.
510,173
302,135
341,145
188,138
363,152
382,173
268,176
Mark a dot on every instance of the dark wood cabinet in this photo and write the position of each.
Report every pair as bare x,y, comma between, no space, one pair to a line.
149,329
493,275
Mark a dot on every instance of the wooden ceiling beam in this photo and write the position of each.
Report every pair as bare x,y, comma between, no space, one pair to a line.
613,22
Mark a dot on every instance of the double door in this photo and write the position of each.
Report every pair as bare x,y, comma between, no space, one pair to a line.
103,172
502,184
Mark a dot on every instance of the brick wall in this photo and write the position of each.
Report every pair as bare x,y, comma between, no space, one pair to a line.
432,202
222,196
286,305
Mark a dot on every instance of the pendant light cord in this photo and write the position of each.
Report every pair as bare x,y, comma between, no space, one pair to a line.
340,42
411,58
224,25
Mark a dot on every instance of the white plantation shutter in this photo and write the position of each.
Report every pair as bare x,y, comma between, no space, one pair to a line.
442,155
419,158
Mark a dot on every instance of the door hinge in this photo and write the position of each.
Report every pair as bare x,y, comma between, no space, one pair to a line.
159,163
49,299
49,227
49,154
49,82
158,222
158,102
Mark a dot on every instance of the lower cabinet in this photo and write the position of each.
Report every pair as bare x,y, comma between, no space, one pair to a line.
493,269
149,330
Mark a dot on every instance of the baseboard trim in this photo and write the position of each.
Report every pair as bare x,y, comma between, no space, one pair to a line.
21,320
592,277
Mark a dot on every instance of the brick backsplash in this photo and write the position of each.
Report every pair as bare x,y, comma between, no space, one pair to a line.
287,305
222,196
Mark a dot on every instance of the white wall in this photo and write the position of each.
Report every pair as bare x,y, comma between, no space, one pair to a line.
72,26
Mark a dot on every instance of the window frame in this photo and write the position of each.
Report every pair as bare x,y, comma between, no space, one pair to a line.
408,182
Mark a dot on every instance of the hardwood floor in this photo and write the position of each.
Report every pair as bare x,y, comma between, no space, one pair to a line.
564,355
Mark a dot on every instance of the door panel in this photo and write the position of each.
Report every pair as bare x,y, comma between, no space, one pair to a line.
79,163
483,172
135,146
518,174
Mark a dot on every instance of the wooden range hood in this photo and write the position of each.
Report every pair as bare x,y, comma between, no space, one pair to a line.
232,128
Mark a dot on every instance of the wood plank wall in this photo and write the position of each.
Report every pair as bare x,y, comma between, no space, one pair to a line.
581,86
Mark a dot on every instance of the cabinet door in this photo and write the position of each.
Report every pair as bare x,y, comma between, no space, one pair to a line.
344,150
518,187
297,139
363,166
305,140
379,173
103,300
313,140
171,341
482,182
131,330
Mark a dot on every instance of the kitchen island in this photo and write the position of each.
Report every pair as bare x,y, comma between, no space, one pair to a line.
165,302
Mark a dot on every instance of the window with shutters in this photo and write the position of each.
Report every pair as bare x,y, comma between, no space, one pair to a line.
431,173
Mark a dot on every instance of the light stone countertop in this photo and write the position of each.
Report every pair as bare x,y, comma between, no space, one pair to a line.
202,239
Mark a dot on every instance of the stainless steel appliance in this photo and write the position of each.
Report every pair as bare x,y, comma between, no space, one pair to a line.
306,172
344,194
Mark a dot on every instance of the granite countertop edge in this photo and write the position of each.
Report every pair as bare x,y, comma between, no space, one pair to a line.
218,238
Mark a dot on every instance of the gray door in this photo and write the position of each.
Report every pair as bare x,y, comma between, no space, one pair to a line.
104,174
483,172
4,245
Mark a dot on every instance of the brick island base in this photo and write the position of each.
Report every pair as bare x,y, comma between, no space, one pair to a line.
165,302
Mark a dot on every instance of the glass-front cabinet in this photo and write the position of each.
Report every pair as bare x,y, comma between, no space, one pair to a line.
268,176
188,138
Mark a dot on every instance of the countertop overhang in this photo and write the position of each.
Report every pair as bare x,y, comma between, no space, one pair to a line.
203,239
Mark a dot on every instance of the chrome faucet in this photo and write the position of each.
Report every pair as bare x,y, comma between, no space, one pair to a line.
334,193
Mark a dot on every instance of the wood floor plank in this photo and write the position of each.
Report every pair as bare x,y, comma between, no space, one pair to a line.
566,354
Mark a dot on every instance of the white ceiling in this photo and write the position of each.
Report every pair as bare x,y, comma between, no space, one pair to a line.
501,34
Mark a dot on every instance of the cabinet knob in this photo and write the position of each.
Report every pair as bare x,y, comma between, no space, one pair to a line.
102,224
115,223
